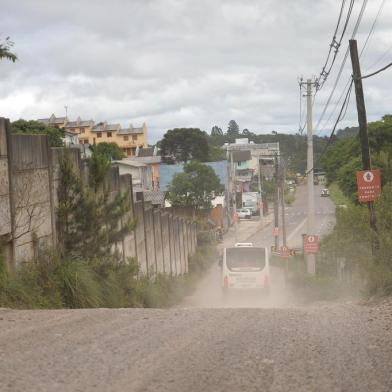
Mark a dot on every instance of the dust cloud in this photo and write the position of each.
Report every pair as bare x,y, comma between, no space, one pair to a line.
209,293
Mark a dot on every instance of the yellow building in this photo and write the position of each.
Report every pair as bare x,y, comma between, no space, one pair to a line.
90,133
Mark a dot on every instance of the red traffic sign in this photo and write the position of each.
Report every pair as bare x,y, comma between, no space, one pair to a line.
284,251
311,243
275,231
368,185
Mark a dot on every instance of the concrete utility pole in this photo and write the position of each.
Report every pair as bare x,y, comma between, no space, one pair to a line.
310,258
276,200
362,121
234,195
260,190
282,203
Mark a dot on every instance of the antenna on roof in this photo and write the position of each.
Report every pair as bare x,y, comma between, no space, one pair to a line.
66,110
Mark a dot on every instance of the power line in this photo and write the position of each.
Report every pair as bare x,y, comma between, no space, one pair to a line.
342,65
380,58
373,26
377,72
335,44
342,114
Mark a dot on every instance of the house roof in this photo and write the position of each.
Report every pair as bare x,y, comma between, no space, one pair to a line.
131,163
130,131
147,160
112,127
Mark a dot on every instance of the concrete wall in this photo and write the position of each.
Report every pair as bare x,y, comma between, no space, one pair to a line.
29,179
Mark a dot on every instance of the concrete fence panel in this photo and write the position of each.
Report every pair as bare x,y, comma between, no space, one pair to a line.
159,253
150,238
140,237
165,232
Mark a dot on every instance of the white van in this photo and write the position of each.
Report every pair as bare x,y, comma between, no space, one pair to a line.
245,267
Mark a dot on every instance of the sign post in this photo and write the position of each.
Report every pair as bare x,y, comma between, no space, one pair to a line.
311,244
368,185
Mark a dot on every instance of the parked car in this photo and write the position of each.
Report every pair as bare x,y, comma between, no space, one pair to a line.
244,213
324,192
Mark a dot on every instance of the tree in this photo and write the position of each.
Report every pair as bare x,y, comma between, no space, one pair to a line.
110,150
195,187
215,130
35,127
233,129
216,153
91,221
5,50
246,132
185,144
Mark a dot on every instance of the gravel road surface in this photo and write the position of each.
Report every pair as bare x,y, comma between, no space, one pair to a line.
267,345
340,347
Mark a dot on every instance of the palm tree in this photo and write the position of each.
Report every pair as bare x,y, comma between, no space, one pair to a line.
5,52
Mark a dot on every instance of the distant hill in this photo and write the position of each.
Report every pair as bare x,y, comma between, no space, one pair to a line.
347,132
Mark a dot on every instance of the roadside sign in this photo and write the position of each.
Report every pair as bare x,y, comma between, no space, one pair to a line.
368,185
311,243
275,231
284,251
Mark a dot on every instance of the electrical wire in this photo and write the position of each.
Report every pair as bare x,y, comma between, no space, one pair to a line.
377,72
342,114
373,26
335,44
380,58
337,104
359,19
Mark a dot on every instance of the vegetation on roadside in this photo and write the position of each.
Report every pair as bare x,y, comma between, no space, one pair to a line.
353,252
53,282
338,196
33,127
88,272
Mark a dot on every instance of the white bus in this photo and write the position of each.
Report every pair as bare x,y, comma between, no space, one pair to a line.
245,266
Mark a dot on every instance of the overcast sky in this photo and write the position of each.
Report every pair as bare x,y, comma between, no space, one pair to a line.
183,63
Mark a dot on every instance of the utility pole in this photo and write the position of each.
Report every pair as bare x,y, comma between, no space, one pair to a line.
276,200
310,258
362,121
282,186
282,180
260,190
234,194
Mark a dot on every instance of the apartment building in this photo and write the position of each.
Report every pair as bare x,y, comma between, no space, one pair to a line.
89,132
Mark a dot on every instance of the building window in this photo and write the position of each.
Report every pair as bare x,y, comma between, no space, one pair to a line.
126,138
81,130
108,134
134,137
86,141
99,134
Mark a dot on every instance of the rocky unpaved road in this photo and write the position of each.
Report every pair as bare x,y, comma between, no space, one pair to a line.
339,347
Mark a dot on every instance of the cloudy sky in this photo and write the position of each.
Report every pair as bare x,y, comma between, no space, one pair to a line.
184,63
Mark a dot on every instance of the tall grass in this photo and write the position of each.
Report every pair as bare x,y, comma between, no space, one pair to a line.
89,283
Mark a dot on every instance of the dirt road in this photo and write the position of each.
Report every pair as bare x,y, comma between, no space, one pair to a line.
342,347
275,347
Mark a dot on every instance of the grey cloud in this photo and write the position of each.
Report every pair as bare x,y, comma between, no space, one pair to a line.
176,63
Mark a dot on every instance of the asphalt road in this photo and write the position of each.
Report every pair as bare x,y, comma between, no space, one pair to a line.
269,347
